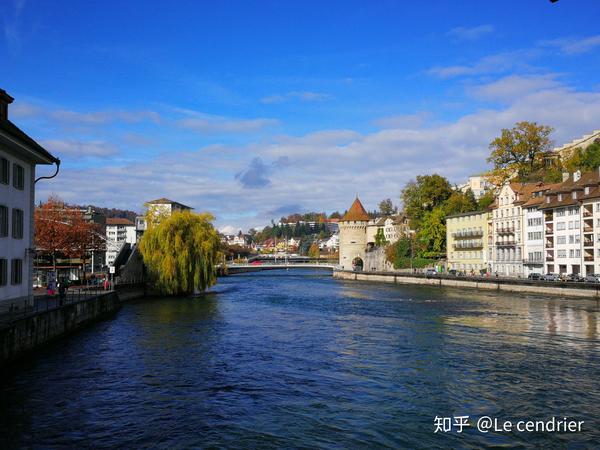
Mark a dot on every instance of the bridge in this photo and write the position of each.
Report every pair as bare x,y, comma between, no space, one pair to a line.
233,269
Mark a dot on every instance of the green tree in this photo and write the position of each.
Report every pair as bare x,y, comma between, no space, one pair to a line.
386,207
522,151
380,239
432,234
423,195
460,202
181,252
583,159
486,200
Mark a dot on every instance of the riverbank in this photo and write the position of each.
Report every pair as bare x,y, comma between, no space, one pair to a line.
560,289
32,331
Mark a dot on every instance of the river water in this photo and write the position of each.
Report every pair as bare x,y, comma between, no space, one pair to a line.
299,360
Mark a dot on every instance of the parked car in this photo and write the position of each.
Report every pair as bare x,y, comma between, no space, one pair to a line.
574,277
453,272
431,273
551,277
535,276
592,278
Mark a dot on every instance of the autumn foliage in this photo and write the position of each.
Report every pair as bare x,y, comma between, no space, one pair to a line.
62,230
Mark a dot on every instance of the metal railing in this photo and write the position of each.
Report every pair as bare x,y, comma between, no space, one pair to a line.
43,303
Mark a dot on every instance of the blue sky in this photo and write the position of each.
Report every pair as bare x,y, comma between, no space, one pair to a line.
252,110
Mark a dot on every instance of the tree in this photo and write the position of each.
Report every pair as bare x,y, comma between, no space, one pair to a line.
386,208
380,239
460,202
63,230
432,234
313,251
181,252
423,195
521,151
486,200
335,215
583,159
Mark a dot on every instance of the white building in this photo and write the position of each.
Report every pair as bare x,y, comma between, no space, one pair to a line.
160,207
507,228
477,184
118,232
19,154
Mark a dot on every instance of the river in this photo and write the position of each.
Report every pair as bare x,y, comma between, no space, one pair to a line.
300,360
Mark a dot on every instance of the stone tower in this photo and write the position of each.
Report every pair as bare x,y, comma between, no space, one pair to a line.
353,235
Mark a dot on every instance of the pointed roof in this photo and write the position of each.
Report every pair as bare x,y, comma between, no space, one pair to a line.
356,212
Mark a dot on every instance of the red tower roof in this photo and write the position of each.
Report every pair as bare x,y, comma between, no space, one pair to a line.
356,212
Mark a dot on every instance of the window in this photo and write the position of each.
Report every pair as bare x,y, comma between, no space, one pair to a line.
3,221
4,171
3,271
561,240
571,253
18,177
560,212
561,254
16,272
560,225
17,223
577,253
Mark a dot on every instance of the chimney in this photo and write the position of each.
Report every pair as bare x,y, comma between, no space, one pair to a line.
577,175
5,100
565,176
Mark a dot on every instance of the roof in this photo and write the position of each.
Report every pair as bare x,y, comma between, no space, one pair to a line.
15,132
166,201
589,179
118,221
356,212
465,214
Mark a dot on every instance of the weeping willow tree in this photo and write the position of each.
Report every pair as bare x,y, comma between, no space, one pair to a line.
181,252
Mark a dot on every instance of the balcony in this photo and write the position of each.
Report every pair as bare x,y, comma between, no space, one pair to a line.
587,212
588,258
533,261
588,243
549,217
467,233
505,230
505,243
478,243
588,229
549,229
549,258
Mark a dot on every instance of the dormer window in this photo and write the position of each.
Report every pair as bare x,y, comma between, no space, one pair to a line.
574,194
559,197
586,190
547,199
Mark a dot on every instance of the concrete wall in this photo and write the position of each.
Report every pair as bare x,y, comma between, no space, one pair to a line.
555,289
375,260
353,242
30,332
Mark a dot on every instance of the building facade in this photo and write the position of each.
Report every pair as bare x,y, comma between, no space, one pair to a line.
467,242
118,232
19,155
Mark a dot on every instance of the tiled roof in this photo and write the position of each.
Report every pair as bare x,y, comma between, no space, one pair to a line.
566,188
356,212
118,221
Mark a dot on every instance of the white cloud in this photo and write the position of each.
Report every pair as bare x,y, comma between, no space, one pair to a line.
326,169
512,87
304,96
573,46
216,125
74,148
498,63
470,34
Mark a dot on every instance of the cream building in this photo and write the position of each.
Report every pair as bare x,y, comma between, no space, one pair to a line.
477,184
393,227
353,236
467,239
19,155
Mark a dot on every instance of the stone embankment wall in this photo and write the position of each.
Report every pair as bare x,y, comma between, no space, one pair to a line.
567,290
31,332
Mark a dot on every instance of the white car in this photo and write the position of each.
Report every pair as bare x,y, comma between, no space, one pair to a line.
592,278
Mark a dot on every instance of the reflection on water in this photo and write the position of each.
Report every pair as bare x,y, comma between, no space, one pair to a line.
297,359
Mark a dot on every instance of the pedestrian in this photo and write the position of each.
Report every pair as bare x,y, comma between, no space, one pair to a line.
106,284
62,292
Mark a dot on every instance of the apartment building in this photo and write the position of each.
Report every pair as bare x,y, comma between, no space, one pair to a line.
119,231
467,240
19,155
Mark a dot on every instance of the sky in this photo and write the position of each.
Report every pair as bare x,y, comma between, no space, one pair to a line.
253,110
